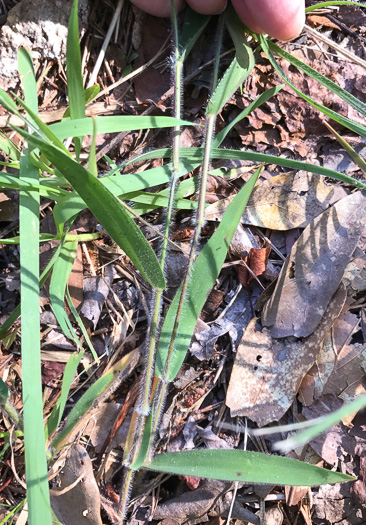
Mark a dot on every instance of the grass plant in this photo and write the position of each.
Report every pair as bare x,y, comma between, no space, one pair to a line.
44,152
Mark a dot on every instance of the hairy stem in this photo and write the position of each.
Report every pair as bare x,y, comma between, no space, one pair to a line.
142,407
200,218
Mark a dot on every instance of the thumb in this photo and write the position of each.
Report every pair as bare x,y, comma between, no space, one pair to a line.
281,19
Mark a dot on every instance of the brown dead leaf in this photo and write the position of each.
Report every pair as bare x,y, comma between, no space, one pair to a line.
284,202
256,262
315,383
209,499
316,20
267,372
81,504
314,268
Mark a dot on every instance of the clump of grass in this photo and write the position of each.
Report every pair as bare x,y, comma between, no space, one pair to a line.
167,339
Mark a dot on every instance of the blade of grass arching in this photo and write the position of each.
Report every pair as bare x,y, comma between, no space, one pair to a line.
56,415
351,152
113,124
205,270
39,509
81,325
41,127
89,94
193,154
60,276
13,512
342,93
232,79
247,467
14,165
96,393
9,148
107,209
334,3
357,128
321,425
119,184
254,105
75,88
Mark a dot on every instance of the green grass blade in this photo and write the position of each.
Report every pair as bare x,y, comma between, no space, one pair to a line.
34,441
81,325
56,415
233,78
357,159
247,467
326,82
334,3
239,69
60,276
254,105
321,425
194,154
119,185
112,124
357,128
89,94
75,88
194,24
107,209
205,270
101,387
9,148
41,127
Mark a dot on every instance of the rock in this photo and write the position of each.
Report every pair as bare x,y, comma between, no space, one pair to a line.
41,27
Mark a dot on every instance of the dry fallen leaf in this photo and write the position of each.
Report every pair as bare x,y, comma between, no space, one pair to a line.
284,202
267,372
328,376
314,268
290,200
80,505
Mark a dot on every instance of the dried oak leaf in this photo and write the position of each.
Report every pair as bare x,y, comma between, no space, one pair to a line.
314,268
267,372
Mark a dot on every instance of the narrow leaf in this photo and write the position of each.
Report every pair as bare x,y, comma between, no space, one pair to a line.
204,274
107,209
34,440
348,123
75,88
247,467
334,2
98,391
254,105
112,124
56,415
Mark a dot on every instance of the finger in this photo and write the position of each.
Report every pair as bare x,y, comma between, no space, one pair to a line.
207,7
281,19
158,7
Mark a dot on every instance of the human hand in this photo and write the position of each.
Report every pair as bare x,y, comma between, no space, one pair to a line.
281,19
